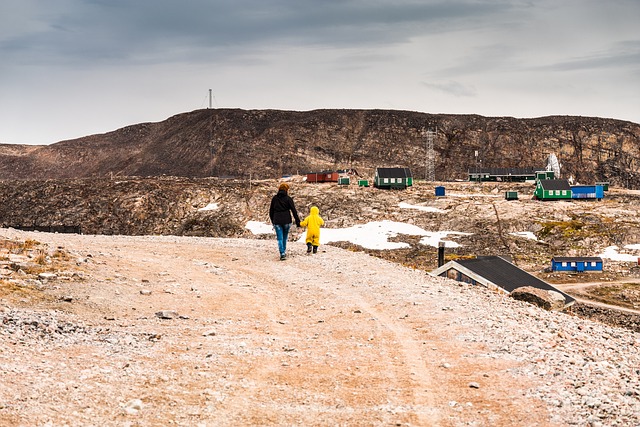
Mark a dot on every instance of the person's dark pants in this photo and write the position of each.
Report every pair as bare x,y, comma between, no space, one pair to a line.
282,233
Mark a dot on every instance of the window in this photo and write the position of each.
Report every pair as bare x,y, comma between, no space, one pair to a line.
593,263
564,264
393,180
385,180
573,264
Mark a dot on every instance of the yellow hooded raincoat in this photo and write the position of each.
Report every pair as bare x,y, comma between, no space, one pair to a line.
313,223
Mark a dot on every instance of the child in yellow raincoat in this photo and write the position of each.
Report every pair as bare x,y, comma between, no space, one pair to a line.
313,223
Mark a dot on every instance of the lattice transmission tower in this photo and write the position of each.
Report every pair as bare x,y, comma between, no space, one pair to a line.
430,162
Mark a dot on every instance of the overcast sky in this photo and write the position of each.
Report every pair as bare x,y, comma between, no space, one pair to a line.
70,68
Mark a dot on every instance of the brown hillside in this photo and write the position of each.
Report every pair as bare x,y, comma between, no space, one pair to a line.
270,143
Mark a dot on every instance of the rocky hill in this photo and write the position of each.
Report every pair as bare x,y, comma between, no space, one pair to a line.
271,143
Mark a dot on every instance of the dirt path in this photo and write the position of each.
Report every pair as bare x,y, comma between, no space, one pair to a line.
338,338
577,291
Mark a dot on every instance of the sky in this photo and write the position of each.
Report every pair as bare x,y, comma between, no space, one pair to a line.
71,68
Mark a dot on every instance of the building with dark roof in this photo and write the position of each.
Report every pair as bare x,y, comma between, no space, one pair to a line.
494,272
552,189
577,264
502,174
393,178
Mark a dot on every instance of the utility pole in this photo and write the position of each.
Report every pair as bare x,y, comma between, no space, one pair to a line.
210,98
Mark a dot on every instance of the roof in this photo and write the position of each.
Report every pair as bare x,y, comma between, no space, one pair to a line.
497,271
555,184
576,259
394,172
503,171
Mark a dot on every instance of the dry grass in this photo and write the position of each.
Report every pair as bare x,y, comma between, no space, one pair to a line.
625,294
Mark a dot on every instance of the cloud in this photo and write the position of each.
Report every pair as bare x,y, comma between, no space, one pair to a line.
146,60
624,54
452,88
167,30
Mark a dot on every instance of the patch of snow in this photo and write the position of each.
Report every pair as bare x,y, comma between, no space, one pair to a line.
433,238
403,205
257,227
473,195
611,252
632,247
375,235
210,207
525,234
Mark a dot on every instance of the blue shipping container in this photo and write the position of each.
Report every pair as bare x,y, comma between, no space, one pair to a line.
587,192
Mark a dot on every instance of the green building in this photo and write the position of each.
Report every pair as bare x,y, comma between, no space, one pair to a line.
552,189
393,178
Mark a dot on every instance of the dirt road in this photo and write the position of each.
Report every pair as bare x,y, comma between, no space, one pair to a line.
580,292
338,338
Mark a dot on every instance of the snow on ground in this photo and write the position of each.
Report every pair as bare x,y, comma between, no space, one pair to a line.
210,207
403,205
473,195
611,252
257,227
525,234
373,235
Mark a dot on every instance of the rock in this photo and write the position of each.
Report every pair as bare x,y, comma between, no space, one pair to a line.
47,276
167,314
145,292
133,406
474,385
549,300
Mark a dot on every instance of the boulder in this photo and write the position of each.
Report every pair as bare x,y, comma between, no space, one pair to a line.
549,300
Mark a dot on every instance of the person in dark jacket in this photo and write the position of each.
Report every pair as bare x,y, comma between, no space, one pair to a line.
280,211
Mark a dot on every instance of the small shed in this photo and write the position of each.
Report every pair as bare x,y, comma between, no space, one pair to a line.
326,176
344,180
552,189
576,264
587,192
363,183
511,195
440,191
399,178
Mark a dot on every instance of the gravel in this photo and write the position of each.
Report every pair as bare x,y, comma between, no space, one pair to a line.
586,373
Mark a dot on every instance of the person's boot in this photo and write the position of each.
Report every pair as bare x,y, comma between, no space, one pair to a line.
308,248
315,249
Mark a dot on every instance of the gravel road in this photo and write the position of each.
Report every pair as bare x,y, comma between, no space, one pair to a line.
158,330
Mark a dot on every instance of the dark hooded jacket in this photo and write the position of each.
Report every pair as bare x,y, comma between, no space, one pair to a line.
281,208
